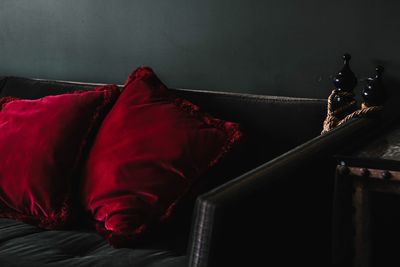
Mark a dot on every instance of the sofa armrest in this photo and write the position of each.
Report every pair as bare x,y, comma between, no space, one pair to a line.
230,220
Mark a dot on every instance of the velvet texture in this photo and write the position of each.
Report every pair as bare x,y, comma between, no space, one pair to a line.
148,153
41,144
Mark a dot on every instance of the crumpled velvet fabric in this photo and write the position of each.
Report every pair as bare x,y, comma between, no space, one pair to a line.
41,144
148,153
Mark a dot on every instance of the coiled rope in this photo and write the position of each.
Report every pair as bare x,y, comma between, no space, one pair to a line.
335,117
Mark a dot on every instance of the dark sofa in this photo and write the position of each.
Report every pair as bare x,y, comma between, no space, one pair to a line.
269,201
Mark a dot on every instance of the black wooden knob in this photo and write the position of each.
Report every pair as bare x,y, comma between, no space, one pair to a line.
374,93
345,80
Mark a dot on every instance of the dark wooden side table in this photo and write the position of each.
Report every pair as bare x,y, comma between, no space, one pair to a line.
374,167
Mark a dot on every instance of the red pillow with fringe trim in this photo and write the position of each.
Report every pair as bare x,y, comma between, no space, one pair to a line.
41,144
148,153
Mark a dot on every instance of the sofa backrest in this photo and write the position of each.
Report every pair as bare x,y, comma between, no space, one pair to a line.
272,125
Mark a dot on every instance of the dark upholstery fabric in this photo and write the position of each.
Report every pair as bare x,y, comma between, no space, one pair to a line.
23,245
271,125
2,82
33,89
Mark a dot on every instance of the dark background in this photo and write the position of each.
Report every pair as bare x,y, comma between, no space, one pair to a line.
276,47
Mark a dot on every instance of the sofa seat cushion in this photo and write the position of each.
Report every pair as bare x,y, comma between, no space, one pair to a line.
23,245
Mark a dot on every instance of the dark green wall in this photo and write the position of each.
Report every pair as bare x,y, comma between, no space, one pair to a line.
278,47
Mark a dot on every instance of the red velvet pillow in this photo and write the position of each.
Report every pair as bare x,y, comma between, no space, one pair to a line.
41,143
148,152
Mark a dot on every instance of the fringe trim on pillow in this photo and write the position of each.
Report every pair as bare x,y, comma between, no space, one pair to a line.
233,135
54,221
5,100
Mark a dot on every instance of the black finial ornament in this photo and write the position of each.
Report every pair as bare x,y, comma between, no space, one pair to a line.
374,92
342,106
344,82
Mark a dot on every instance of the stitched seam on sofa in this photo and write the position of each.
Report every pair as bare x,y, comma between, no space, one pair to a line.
266,100
244,95
68,82
257,98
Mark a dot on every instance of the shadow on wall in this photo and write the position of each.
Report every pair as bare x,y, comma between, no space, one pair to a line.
392,105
